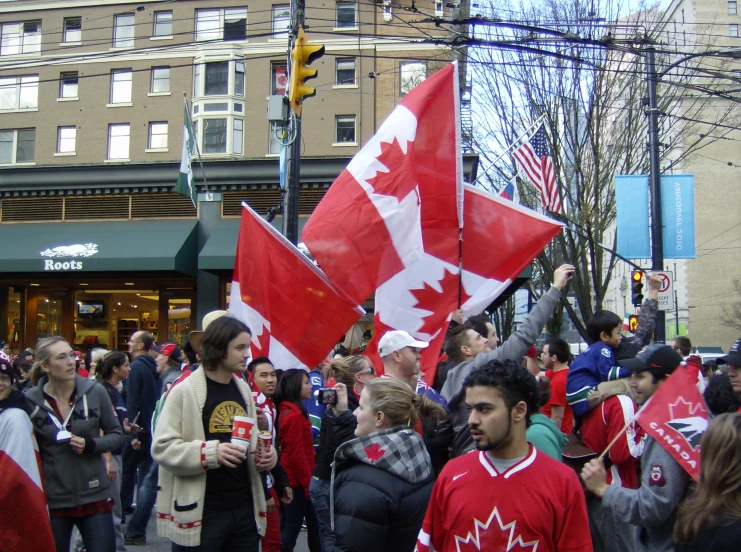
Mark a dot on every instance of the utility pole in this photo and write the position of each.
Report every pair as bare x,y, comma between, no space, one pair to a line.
654,183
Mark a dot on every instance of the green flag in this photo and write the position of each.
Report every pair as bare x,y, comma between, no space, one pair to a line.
185,185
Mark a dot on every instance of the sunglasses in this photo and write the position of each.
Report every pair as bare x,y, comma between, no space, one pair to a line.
371,370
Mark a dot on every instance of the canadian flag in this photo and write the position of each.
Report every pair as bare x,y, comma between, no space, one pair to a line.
676,417
294,313
24,519
500,239
404,182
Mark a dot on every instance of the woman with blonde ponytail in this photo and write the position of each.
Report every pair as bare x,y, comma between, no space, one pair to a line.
382,479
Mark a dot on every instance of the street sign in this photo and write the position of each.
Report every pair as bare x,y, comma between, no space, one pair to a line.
666,291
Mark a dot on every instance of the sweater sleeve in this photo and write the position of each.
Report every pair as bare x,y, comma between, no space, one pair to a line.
663,484
294,458
113,435
169,450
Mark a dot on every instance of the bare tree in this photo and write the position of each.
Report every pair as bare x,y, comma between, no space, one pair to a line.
732,313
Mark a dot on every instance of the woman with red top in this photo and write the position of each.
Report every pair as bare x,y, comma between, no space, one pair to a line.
75,424
297,457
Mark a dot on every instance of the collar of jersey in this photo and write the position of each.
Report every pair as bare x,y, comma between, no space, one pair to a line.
521,465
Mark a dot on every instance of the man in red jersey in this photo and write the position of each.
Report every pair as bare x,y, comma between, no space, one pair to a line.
506,495
555,358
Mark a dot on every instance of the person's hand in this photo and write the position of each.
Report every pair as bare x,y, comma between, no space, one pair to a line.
270,506
654,285
77,444
562,276
126,426
594,476
342,404
110,468
457,316
230,455
287,495
136,444
262,420
266,462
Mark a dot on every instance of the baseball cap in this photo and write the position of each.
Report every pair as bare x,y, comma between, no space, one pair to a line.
7,368
170,350
658,358
196,336
396,340
733,356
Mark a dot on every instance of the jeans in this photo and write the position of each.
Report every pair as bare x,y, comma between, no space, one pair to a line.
145,499
96,530
133,459
117,513
319,491
226,531
300,508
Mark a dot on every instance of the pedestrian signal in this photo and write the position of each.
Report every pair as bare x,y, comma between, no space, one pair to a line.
633,323
636,287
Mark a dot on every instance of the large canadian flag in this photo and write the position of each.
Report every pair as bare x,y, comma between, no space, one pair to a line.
295,315
404,185
676,417
499,239
24,519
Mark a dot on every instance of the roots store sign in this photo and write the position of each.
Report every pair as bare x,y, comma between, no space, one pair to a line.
67,257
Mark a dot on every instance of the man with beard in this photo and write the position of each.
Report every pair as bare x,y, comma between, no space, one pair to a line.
506,493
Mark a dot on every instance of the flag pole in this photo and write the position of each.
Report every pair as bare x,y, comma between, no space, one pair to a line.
195,139
516,141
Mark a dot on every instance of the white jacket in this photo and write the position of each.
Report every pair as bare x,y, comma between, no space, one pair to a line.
184,456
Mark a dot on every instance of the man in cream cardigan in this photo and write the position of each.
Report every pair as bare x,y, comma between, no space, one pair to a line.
211,495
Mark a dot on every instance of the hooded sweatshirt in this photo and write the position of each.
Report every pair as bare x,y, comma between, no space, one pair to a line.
381,486
546,436
72,479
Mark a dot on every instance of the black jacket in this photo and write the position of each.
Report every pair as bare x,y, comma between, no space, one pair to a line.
143,391
380,492
335,430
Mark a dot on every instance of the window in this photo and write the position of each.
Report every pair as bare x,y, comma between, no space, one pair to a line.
736,74
19,92
239,78
68,85
217,78
66,137
345,129
410,75
17,146
118,141
160,80
237,136
439,7
158,135
197,90
281,21
72,29
733,30
163,23
346,15
226,24
123,33
121,86
279,80
387,16
345,72
214,136
20,38
732,8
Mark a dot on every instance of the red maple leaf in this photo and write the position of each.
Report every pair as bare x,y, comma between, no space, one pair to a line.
439,303
264,348
399,180
374,452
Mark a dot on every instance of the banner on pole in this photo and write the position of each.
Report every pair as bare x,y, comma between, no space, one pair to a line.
678,215
631,202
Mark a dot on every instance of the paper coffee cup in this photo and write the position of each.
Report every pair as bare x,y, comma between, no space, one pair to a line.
242,430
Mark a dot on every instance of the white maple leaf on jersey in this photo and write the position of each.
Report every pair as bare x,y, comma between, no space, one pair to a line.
481,529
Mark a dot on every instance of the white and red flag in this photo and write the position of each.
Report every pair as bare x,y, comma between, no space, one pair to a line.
534,158
407,180
295,315
500,239
24,519
677,418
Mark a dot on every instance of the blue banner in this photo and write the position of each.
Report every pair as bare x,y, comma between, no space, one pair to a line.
678,215
631,202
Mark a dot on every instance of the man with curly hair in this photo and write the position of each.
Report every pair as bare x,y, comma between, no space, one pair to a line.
506,493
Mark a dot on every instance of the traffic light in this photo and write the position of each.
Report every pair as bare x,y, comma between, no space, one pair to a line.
636,287
302,54
633,323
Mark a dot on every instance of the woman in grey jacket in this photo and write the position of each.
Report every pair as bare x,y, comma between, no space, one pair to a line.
75,424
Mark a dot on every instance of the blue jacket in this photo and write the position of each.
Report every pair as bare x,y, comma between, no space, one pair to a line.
314,409
590,368
143,390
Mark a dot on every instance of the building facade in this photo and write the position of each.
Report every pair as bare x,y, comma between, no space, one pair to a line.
92,99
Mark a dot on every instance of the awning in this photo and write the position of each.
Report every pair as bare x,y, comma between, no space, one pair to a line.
219,251
100,246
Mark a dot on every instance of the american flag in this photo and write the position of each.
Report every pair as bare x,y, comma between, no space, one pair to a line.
534,158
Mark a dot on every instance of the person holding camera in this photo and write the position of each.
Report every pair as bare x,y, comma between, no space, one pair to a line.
297,457
338,425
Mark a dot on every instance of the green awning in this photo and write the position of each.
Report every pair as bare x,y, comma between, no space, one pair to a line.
219,251
145,245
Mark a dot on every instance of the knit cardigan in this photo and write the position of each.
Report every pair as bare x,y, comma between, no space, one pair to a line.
183,454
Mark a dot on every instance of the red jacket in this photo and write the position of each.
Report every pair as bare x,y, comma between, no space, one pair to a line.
296,444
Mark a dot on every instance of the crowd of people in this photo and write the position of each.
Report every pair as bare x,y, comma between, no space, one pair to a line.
502,448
